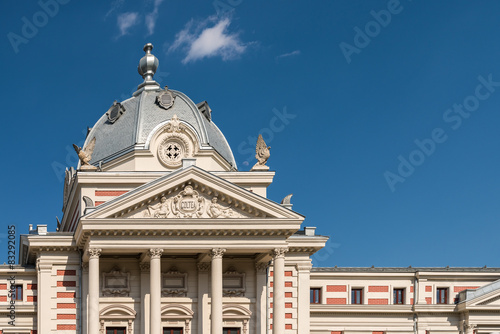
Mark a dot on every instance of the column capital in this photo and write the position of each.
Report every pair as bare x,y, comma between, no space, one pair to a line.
155,253
261,267
94,253
279,252
217,253
203,266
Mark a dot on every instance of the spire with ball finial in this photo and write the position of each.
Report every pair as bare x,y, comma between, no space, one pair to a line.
147,68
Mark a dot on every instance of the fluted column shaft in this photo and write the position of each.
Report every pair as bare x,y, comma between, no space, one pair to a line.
155,288
278,291
93,307
216,303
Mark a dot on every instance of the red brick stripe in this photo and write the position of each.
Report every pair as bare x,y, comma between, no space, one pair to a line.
97,203
66,295
288,295
428,300
288,273
66,327
336,332
66,273
66,283
377,332
66,316
288,326
428,288
378,289
110,192
411,288
32,299
288,284
288,305
66,305
336,301
336,288
288,316
31,286
462,288
378,301
3,299
3,286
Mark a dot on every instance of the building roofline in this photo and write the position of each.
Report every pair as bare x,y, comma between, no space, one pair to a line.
403,269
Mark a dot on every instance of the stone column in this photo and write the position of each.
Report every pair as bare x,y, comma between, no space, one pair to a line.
203,319
216,303
279,291
145,297
261,300
44,314
155,287
93,307
303,294
85,296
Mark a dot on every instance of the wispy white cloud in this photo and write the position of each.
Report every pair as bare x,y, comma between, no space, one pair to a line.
114,6
152,17
209,38
127,20
289,54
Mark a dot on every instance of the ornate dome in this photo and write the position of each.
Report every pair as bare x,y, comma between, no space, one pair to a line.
130,125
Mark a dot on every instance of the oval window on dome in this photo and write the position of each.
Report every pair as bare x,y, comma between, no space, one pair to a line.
115,111
165,99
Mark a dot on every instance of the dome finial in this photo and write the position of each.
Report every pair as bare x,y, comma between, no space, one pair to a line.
147,69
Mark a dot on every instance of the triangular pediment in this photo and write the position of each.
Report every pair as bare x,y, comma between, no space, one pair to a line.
194,194
486,296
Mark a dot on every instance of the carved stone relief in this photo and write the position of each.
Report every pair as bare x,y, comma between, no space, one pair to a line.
176,143
115,283
174,283
233,283
188,203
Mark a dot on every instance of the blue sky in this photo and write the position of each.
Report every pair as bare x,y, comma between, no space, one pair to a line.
382,115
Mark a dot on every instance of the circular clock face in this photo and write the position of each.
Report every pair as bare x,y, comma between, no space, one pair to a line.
171,152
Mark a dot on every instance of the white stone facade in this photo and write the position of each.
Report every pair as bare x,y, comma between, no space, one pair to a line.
167,236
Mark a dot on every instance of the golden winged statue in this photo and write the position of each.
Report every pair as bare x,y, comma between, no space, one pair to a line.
262,153
85,155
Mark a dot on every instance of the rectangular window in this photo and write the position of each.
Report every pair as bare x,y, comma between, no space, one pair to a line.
115,330
357,296
442,296
172,330
231,331
17,293
399,296
315,295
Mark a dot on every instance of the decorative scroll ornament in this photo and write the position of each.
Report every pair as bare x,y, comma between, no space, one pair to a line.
85,155
116,283
262,153
279,252
155,253
94,253
165,99
203,266
217,253
261,267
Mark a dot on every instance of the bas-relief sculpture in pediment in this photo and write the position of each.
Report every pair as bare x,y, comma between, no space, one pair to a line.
188,203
